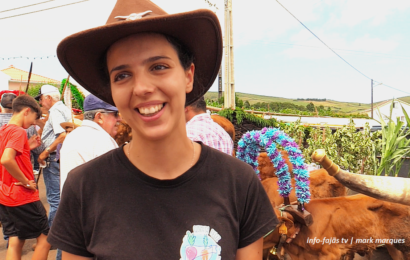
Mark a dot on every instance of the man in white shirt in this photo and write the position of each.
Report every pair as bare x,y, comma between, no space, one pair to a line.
93,138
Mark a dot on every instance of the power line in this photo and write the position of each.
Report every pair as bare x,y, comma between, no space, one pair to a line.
25,6
334,51
317,47
43,10
322,41
25,57
391,87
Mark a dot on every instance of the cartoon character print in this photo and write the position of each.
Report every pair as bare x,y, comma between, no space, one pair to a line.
201,244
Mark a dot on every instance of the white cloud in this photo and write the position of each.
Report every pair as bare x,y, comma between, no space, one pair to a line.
338,43
266,20
354,12
373,44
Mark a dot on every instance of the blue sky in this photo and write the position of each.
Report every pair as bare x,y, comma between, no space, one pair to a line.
274,54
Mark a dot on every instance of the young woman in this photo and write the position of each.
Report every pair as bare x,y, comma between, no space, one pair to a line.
162,196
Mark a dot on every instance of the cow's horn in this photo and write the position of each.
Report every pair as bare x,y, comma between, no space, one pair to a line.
393,189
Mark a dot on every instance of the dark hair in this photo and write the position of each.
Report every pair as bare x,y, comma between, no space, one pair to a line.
185,56
199,105
7,100
25,101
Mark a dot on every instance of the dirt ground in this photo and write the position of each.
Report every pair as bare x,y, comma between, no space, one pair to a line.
27,252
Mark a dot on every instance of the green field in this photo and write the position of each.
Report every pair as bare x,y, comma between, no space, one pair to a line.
348,107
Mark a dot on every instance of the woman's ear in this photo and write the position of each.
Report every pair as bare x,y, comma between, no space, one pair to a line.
189,75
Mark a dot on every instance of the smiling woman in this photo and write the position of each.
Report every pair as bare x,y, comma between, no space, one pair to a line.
167,190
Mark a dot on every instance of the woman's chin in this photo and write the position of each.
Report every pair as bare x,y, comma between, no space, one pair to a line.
154,134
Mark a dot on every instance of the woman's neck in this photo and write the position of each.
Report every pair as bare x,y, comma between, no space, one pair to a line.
167,158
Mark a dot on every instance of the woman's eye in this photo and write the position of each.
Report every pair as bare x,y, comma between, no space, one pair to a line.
120,76
159,67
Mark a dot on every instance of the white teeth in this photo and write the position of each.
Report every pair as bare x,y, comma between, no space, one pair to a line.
150,110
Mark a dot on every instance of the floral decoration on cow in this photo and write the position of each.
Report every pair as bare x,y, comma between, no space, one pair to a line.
248,151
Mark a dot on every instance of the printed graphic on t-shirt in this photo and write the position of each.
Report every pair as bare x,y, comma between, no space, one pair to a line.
201,244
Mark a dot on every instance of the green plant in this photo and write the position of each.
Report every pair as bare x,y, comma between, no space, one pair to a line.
78,97
351,150
297,131
394,146
239,114
34,89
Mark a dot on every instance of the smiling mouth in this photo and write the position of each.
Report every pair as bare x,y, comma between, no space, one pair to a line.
149,111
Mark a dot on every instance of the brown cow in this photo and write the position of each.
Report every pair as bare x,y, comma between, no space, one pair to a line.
225,124
361,221
321,186
265,165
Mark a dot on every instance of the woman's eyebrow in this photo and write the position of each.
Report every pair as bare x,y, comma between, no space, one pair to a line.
155,58
121,67
150,59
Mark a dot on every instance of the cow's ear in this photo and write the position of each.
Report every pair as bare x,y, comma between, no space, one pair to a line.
289,223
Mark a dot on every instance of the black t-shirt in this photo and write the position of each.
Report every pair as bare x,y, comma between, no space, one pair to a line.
111,210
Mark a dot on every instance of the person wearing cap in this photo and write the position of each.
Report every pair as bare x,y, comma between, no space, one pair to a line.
201,127
161,196
52,135
21,212
92,139
6,102
6,108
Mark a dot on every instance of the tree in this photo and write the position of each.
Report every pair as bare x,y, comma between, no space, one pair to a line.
246,104
221,100
310,107
238,101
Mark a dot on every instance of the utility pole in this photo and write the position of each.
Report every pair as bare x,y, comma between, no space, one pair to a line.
220,83
229,99
372,98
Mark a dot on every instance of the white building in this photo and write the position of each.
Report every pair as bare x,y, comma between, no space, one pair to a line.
332,122
384,108
4,81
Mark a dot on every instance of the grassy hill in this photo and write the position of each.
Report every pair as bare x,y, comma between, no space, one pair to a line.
335,105
405,99
347,107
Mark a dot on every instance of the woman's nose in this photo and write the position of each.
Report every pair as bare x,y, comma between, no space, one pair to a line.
142,86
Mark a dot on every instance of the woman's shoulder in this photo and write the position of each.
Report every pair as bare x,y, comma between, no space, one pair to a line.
227,164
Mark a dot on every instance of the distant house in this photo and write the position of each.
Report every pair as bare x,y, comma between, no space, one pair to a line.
384,108
18,78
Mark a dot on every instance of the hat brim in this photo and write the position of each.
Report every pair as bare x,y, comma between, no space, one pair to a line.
66,125
38,97
81,54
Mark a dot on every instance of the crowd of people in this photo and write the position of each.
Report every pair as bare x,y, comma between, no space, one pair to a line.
164,195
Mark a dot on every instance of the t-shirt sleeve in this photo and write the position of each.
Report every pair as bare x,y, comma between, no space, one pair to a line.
56,119
258,217
66,232
18,139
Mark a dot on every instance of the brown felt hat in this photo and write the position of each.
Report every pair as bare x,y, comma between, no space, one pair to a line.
82,54
75,124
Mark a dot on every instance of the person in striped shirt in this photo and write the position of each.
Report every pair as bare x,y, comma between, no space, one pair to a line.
201,127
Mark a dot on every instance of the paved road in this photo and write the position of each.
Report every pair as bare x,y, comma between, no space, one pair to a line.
27,252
